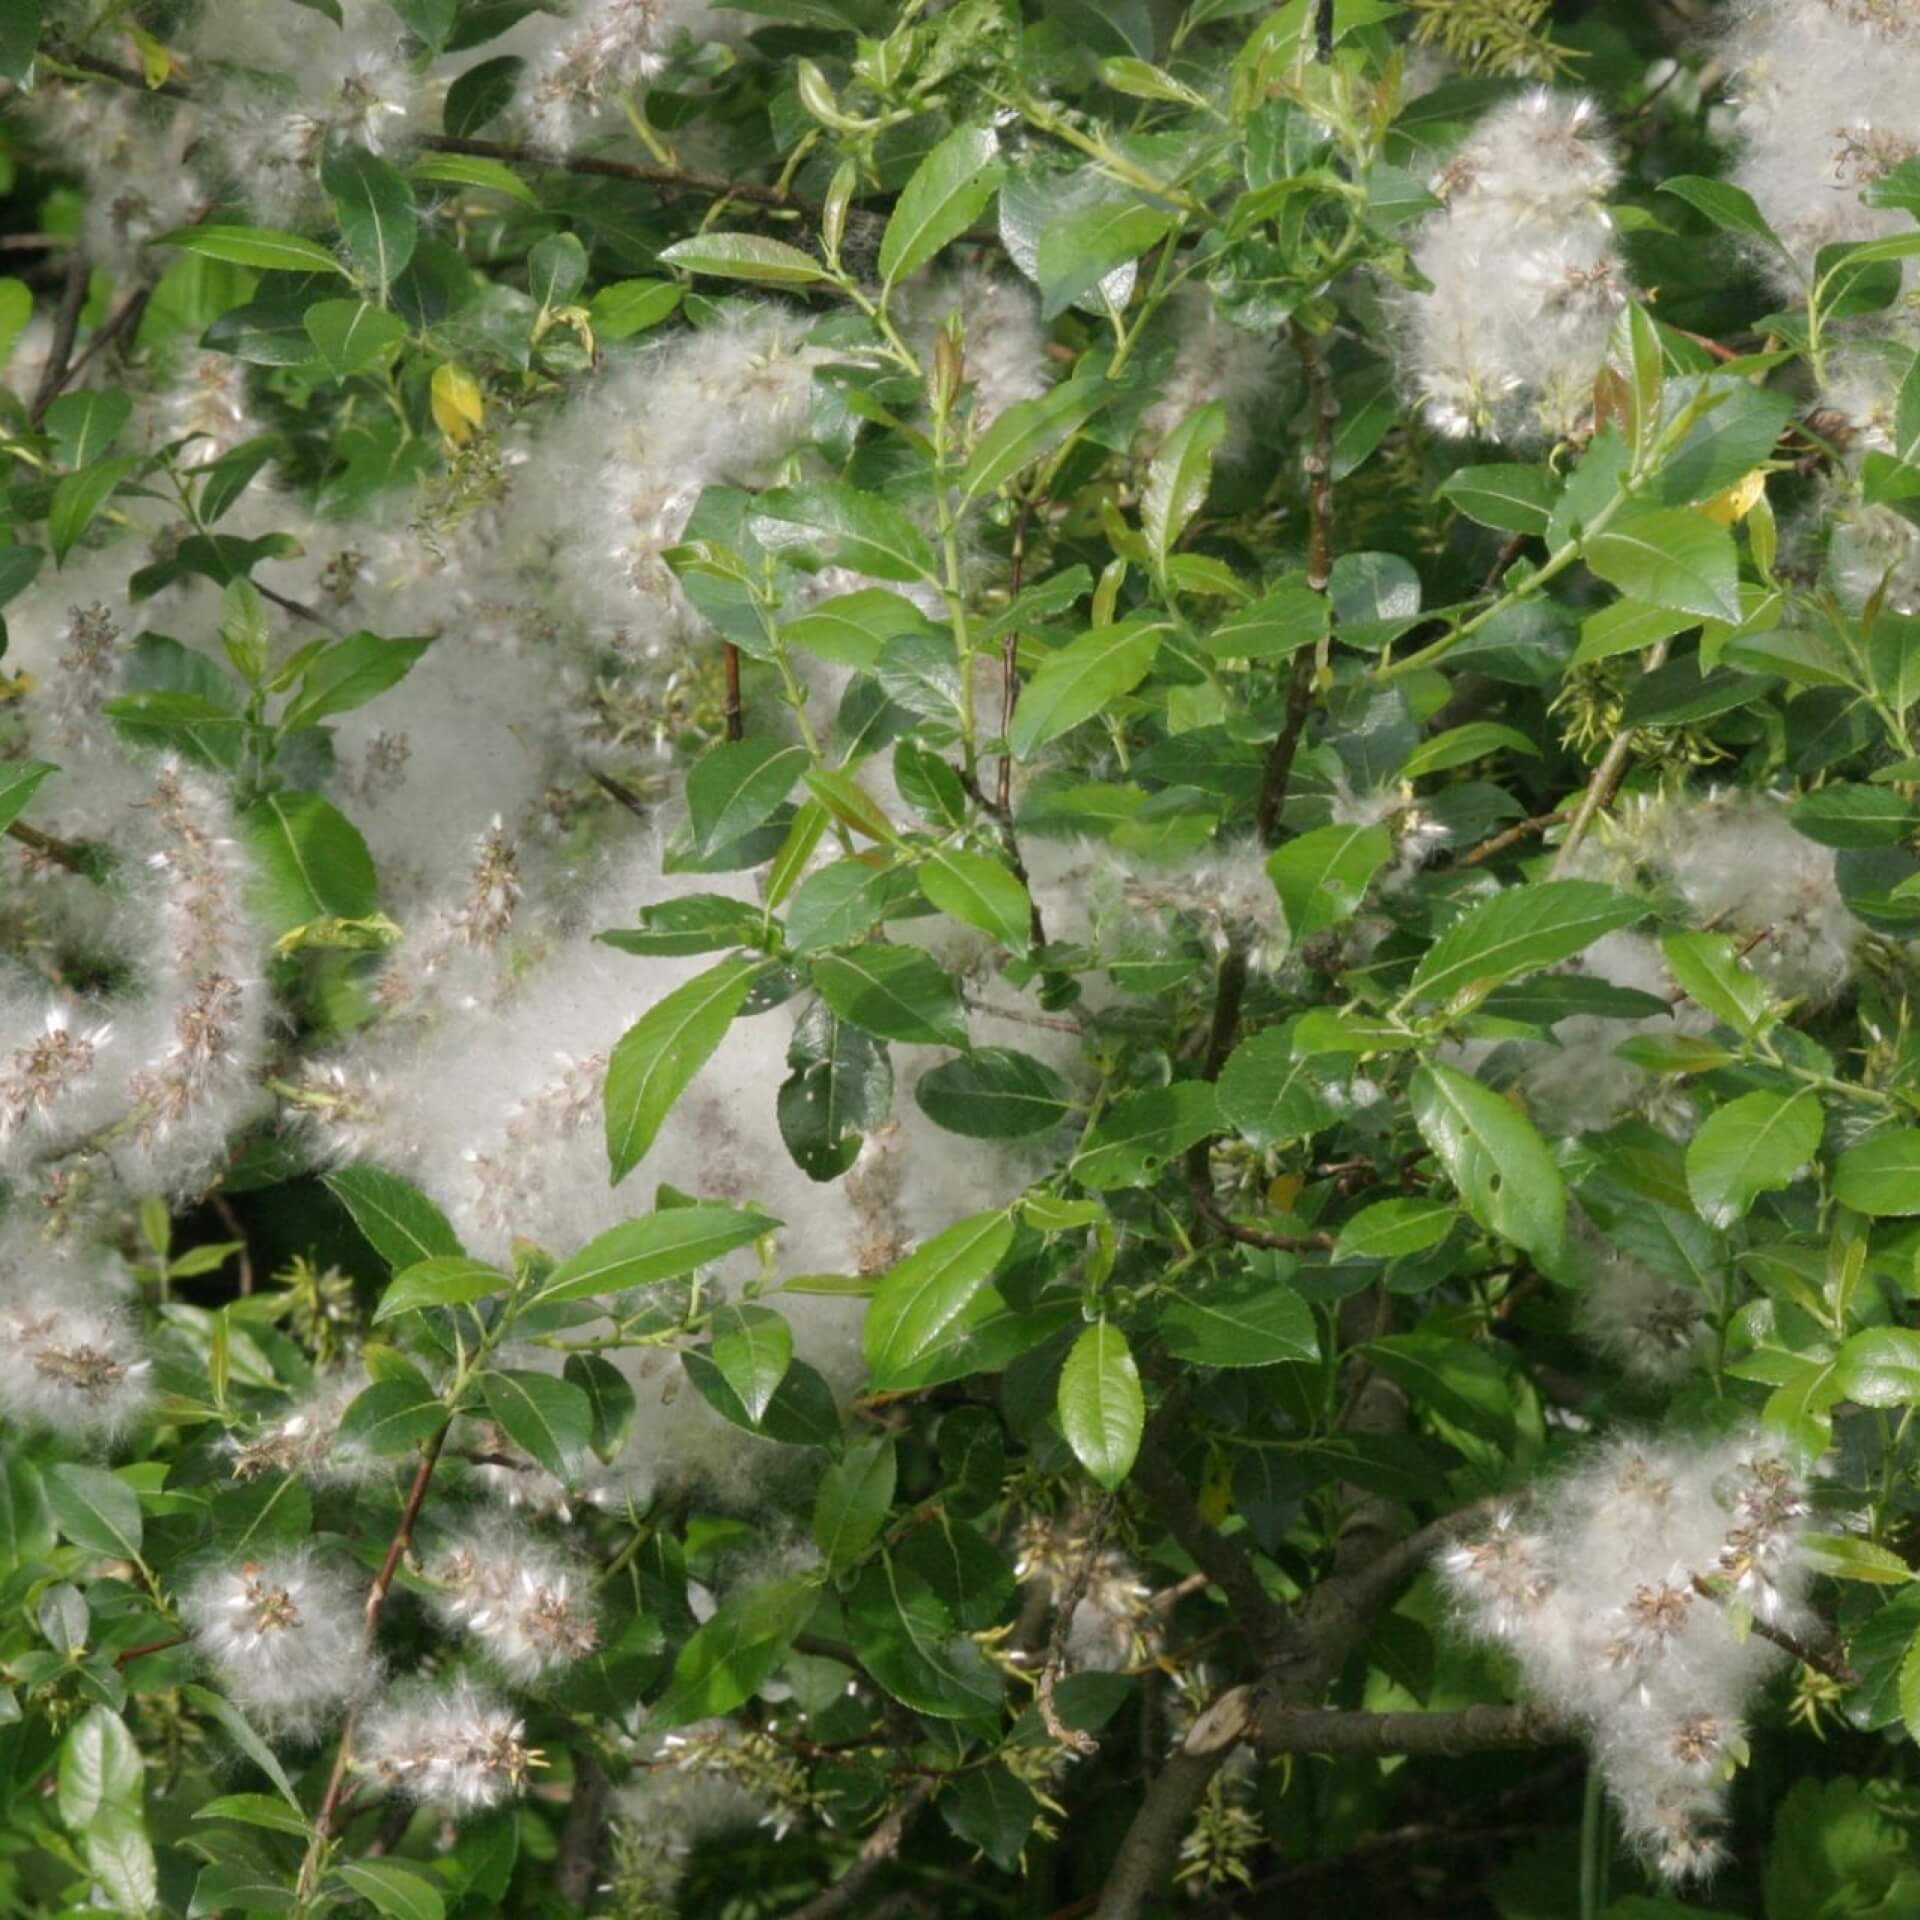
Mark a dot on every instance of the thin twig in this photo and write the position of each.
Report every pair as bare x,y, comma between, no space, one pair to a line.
1318,459
1511,837
880,1846
66,325
1053,1022
125,318
63,853
1010,657
231,1221
1826,1660
325,1820
1606,776
576,1866
736,711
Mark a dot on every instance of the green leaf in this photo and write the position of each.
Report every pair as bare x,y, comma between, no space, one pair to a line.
1274,627
735,786
1080,249
724,1663
353,336
1843,1556
627,307
1881,1176
241,1731
94,1509
1880,1367
689,923
548,1418
348,674
400,1223
942,198
1670,558
310,862
851,629
851,1506
1505,1175
982,892
898,993
78,498
374,205
1514,499
19,781
844,526
475,171
994,1093
660,1246
841,903
1753,1145
84,426
1459,746
1392,1229
481,94
920,1297
255,1810
1457,1379
1730,208
1177,481
1267,1095
556,270
392,1416
252,247
1142,1132
744,256
1626,627
1028,431
1707,966
100,1767
610,1400
1323,876
401,1893
840,1087
753,1348
447,1280
1102,1408
16,297
1848,814
658,1056
1520,931
18,566
910,1643
1243,1320
1080,679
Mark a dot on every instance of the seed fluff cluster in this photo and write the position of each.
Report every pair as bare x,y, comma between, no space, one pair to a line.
1526,275
1618,1592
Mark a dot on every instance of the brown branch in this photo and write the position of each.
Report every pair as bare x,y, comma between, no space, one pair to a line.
1490,849
880,1846
99,69
125,318
1826,1660
132,1654
1052,1022
1465,1730
1278,774
63,853
576,1867
231,1221
1318,459
1510,551
736,711
1010,658
1053,1663
325,1821
66,325
1606,776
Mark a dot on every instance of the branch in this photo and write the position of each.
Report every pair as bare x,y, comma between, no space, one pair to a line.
576,1867
324,1821
66,324
63,853
1824,1660
1319,459
1606,776
881,1845
1423,1735
1511,837
1221,1559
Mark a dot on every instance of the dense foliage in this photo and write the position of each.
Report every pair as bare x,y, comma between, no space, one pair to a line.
959,959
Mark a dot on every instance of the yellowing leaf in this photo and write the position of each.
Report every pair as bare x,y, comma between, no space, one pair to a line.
156,63
1728,508
1285,1191
458,406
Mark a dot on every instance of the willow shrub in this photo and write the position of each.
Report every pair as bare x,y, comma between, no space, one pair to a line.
959,959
